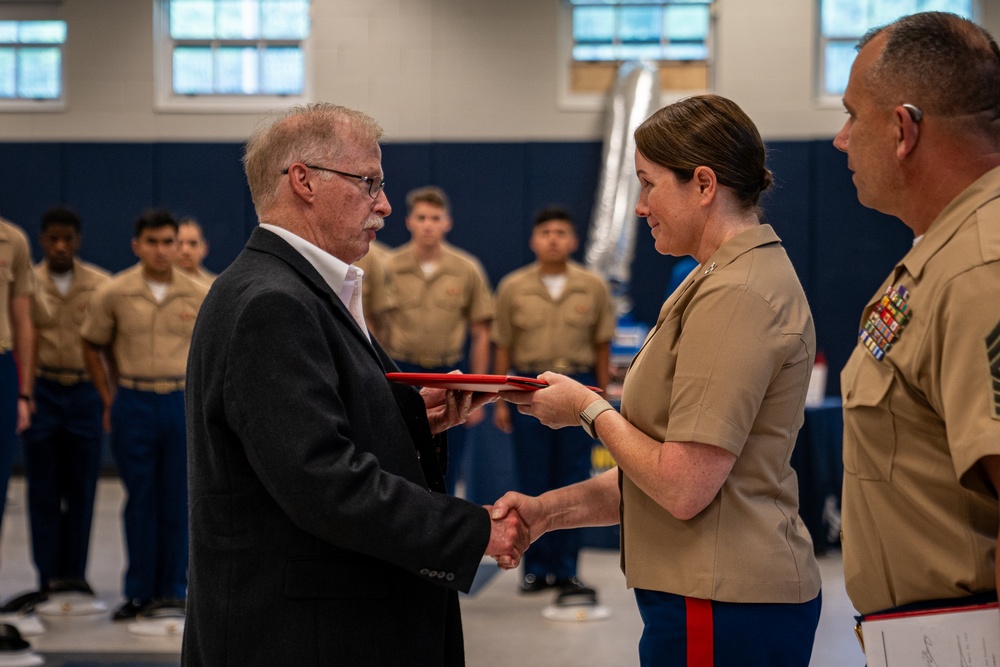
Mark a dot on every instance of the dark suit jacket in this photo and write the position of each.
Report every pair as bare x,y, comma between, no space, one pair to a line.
320,533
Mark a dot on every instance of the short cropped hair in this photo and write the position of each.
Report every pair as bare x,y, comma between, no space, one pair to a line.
431,194
945,64
153,218
552,213
60,215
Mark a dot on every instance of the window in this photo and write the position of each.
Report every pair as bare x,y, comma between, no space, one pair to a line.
31,60
844,22
675,33
231,50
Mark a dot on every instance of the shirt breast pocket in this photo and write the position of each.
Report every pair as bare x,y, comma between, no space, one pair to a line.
868,419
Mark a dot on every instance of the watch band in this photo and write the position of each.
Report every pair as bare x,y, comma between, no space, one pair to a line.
588,416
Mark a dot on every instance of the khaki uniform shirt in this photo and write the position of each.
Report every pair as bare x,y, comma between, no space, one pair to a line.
16,276
433,314
543,333
148,339
58,319
376,290
727,364
920,518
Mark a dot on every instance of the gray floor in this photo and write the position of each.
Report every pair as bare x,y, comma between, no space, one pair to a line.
502,627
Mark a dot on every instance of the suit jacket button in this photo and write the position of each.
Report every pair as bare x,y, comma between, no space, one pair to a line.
433,573
424,571
450,577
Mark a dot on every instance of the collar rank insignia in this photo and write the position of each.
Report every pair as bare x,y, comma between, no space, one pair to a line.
886,321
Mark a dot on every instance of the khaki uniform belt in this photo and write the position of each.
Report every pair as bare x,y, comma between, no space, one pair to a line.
64,376
164,385
558,366
431,361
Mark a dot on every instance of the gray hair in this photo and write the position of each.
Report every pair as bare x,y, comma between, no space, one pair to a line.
308,133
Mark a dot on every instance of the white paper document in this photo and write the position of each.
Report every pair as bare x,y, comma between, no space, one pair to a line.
937,638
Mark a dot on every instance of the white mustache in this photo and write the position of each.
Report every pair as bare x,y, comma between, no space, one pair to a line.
375,224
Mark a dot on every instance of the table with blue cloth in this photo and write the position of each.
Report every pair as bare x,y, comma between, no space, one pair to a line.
818,462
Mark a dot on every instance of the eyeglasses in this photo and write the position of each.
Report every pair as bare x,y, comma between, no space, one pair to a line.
374,187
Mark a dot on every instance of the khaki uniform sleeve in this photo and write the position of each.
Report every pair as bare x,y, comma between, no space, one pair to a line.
967,336
727,354
481,304
98,326
21,268
500,328
604,331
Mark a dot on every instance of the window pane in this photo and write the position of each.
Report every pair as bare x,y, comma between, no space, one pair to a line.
639,24
838,58
283,71
238,19
682,51
594,24
8,73
42,32
192,70
38,75
887,11
686,23
236,71
844,18
8,32
960,7
285,19
589,52
640,52
192,19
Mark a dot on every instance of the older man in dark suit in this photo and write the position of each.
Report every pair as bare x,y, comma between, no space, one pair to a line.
320,530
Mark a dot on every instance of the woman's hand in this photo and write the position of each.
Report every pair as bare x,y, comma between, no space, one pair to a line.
557,405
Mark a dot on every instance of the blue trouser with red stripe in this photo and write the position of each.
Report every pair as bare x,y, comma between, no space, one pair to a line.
704,633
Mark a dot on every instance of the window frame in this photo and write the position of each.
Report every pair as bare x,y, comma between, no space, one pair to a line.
31,104
824,99
166,100
575,100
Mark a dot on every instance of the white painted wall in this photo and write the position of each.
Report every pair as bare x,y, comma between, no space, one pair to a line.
427,70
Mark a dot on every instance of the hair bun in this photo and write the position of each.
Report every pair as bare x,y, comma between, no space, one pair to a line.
766,180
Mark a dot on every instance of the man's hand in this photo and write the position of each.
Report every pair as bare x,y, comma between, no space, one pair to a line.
509,538
448,407
531,515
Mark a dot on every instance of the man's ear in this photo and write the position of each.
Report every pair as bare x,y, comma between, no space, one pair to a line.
907,131
301,184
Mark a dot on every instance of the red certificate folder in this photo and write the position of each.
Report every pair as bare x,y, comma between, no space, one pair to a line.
967,636
471,382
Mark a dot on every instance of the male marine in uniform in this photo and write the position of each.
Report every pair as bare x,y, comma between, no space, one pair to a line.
552,315
139,326
442,297
62,451
922,388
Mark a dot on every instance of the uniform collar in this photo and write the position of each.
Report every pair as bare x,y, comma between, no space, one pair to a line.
574,273
983,190
407,260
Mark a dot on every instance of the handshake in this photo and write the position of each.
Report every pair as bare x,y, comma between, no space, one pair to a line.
516,521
